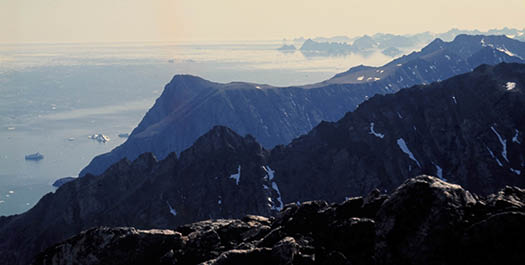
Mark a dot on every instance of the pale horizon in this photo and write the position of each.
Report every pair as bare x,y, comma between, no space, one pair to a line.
103,21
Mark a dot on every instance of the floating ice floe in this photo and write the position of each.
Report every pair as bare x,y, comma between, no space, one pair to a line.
36,156
101,138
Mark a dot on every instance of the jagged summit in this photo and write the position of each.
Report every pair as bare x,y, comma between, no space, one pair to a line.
221,140
435,45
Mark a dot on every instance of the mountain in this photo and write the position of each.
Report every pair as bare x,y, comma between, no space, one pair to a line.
311,47
190,106
412,41
424,221
437,61
467,129
287,48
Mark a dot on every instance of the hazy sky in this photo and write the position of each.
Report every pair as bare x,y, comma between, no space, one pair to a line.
176,20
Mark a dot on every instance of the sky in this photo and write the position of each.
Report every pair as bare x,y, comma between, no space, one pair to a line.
223,20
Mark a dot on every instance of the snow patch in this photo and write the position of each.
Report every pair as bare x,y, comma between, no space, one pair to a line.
360,78
399,115
276,188
510,85
372,131
172,211
439,172
448,57
515,171
503,144
454,99
270,174
507,52
237,176
515,137
493,156
403,146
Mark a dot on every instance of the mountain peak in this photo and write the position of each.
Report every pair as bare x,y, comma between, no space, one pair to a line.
221,138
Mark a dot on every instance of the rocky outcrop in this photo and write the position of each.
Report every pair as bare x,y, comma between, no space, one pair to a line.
424,221
467,129
191,106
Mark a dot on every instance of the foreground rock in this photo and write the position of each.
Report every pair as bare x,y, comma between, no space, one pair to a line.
424,221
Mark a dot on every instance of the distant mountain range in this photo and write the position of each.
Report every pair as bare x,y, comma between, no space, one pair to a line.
467,129
190,106
389,44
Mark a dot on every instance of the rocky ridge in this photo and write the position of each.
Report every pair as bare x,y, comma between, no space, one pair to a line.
424,221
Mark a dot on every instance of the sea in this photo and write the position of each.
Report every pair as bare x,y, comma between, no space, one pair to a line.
54,96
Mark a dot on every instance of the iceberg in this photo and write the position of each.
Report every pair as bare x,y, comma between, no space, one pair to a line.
35,156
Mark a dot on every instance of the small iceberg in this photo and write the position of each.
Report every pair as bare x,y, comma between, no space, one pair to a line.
36,156
100,138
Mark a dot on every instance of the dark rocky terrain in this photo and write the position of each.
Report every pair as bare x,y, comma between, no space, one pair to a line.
468,130
190,106
424,221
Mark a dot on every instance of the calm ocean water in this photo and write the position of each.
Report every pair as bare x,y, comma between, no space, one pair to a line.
53,96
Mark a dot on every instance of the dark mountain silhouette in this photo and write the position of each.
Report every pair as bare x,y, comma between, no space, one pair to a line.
424,221
190,106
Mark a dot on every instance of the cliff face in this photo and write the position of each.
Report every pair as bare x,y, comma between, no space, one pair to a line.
424,221
190,106
468,130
